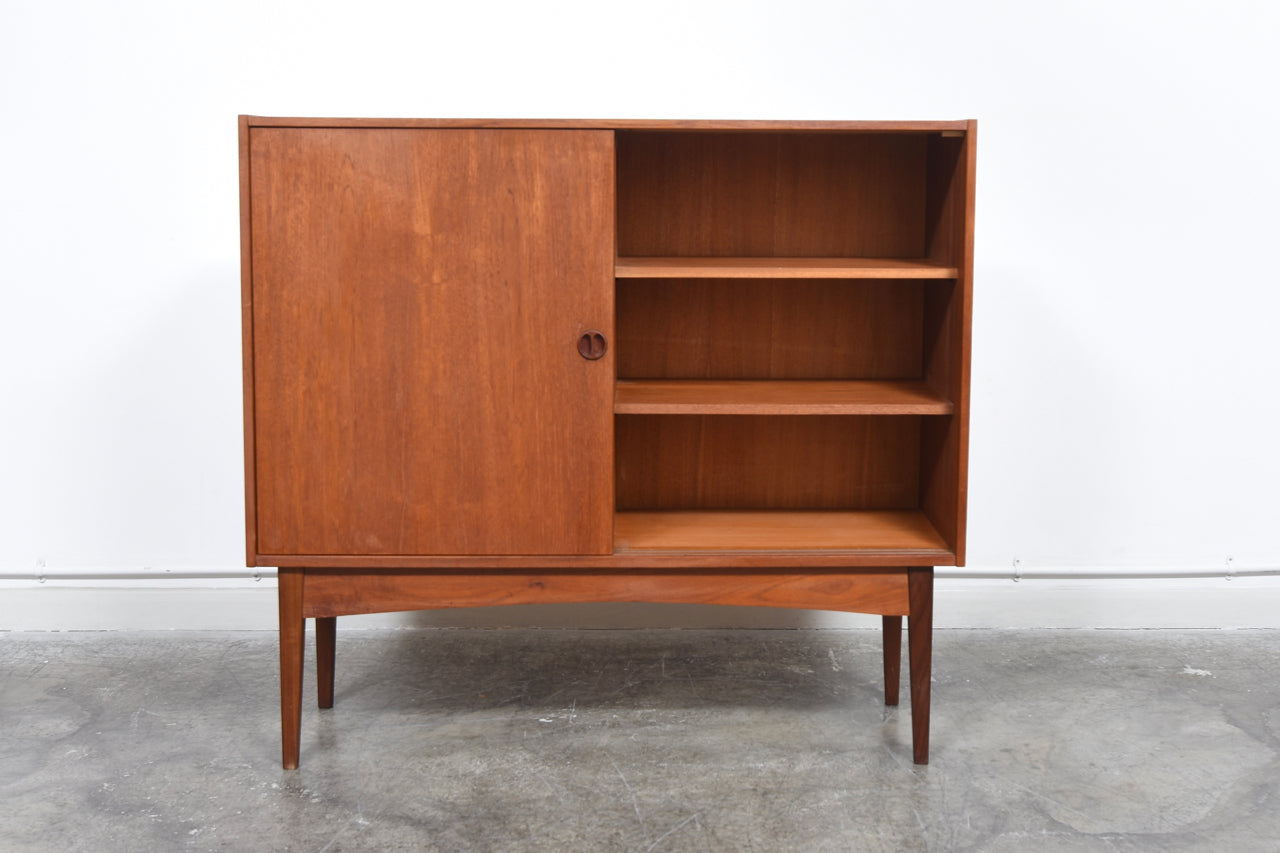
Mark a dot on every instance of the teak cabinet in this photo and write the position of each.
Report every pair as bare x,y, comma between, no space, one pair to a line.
503,362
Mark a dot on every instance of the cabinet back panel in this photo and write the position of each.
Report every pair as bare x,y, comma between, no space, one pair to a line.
417,385
759,329
670,462
771,195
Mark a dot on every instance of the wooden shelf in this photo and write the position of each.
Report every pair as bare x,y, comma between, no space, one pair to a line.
777,397
780,268
882,531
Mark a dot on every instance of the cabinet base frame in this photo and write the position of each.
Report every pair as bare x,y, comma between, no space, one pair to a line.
326,593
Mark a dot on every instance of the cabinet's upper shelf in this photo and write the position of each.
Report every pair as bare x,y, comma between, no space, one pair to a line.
678,267
777,397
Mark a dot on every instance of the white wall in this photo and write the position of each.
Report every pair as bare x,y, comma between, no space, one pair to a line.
1125,367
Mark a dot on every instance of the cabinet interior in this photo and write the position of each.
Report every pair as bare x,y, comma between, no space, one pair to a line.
796,264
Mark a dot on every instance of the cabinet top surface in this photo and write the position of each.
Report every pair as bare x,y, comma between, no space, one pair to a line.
614,124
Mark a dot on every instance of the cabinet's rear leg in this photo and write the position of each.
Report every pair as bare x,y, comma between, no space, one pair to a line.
892,657
920,639
291,645
326,633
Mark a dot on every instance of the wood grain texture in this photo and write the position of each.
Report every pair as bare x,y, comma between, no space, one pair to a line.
772,530
780,268
771,195
920,641
326,652
669,462
418,298
616,124
786,397
292,642
337,592
891,630
754,329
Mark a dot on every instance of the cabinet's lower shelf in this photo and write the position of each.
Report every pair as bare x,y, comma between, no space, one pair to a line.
775,531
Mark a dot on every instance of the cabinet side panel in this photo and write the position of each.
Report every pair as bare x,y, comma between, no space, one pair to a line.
944,206
947,331
418,299
246,336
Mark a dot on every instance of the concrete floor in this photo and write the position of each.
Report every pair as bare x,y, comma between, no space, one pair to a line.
643,741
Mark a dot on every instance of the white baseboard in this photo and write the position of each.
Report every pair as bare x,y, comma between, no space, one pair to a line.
240,605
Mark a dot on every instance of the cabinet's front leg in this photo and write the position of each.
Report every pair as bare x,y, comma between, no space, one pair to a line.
892,657
920,639
291,645
326,640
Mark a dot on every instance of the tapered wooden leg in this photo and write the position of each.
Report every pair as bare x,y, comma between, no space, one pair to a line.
326,635
291,645
892,657
920,640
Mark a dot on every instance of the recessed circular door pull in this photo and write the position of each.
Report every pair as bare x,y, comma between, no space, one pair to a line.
592,344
